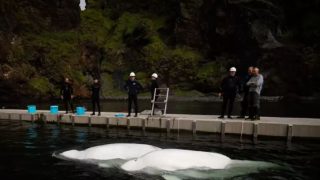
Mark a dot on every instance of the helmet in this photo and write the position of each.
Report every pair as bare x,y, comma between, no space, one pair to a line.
132,74
233,69
155,75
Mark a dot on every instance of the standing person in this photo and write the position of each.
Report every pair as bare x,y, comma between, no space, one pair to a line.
66,94
245,89
154,85
95,97
229,87
255,86
133,88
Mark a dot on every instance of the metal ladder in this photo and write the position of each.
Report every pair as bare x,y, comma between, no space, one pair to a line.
165,101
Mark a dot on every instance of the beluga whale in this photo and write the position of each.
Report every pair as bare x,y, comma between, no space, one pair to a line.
170,164
108,152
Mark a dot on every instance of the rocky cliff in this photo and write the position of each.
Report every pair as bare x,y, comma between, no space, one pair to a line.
190,43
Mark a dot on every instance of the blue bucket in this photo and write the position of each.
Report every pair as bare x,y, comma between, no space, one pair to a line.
54,109
32,109
81,111
119,115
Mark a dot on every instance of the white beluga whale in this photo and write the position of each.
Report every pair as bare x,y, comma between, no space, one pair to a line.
174,164
177,159
171,164
122,151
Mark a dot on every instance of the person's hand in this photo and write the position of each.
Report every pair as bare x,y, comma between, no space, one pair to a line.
72,96
220,94
61,97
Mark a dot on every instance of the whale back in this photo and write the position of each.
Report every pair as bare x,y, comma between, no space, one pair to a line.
176,159
110,151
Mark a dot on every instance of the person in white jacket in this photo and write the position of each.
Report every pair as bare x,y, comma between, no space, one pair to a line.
255,86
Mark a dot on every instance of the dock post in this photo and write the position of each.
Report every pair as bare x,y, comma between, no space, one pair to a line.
72,119
59,116
128,124
107,123
20,117
289,133
9,116
144,126
168,126
194,128
255,133
43,118
89,121
223,130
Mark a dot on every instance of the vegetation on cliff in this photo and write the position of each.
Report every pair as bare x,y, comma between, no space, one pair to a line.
190,43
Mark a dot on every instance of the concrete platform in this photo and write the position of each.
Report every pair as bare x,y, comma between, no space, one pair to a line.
268,126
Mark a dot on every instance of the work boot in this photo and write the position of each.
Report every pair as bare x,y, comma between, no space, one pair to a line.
128,115
136,115
99,114
229,117
92,114
221,117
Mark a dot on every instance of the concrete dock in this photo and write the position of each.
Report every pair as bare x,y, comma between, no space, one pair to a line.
267,127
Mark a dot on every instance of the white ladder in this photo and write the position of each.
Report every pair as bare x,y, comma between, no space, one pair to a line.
165,101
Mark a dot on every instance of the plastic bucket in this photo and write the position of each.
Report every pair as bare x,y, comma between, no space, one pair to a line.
119,115
81,111
32,109
54,109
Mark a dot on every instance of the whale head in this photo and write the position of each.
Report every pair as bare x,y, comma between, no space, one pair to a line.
72,154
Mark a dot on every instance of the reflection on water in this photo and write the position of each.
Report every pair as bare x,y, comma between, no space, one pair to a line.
26,151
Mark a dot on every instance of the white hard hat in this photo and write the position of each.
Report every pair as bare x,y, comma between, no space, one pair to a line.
233,69
155,75
132,74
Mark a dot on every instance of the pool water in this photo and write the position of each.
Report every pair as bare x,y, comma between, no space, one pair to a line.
26,152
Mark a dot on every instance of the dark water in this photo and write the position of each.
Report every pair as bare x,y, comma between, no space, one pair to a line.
278,109
26,152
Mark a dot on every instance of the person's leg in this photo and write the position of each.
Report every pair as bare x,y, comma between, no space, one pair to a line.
93,107
129,104
256,105
135,100
244,106
99,108
230,108
65,105
224,106
250,105
71,105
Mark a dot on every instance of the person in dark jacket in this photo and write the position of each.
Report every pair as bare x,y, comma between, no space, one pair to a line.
229,86
133,88
245,90
66,94
154,85
95,96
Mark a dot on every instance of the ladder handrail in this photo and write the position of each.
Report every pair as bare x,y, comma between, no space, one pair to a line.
164,102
